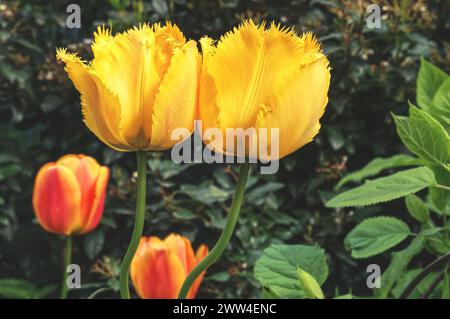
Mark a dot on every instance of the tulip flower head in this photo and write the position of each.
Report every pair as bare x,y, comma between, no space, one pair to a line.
140,86
263,79
69,194
160,267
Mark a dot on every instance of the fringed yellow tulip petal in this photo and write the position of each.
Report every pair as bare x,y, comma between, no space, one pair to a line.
175,104
120,86
296,107
100,108
262,79
248,62
124,62
236,66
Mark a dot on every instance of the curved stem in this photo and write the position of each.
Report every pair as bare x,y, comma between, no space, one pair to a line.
67,256
138,224
433,285
432,266
224,238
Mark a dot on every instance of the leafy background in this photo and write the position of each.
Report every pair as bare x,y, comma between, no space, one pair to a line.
373,74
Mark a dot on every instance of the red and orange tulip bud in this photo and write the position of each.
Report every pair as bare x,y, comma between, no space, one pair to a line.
69,194
160,267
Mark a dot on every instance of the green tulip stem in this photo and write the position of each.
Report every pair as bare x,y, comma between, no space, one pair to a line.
138,224
67,257
224,238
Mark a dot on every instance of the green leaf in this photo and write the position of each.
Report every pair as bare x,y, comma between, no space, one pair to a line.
309,285
165,168
440,107
441,197
417,208
16,288
346,296
397,267
222,276
420,289
446,285
385,188
206,193
424,136
262,191
185,214
376,166
277,268
376,235
44,291
429,80
93,243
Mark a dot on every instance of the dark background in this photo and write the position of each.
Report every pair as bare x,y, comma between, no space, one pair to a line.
373,74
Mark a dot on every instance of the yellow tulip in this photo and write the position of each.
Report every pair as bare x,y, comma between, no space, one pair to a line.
263,78
140,86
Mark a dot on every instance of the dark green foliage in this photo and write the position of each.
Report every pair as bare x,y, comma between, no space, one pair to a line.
373,74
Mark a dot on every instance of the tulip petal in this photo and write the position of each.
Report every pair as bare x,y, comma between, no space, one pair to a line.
98,201
156,271
145,54
100,108
296,106
124,64
56,199
183,248
208,109
247,63
175,103
86,170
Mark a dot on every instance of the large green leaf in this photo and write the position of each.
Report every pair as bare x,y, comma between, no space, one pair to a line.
277,269
424,136
385,188
375,235
397,267
417,208
376,166
429,80
440,107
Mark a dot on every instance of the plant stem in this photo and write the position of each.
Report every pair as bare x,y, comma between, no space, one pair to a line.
138,224
224,238
432,266
67,256
443,187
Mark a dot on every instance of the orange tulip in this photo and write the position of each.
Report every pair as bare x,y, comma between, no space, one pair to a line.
69,194
160,267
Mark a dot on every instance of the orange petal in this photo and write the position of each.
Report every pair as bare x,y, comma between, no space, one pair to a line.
86,170
56,199
98,200
156,271
183,248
